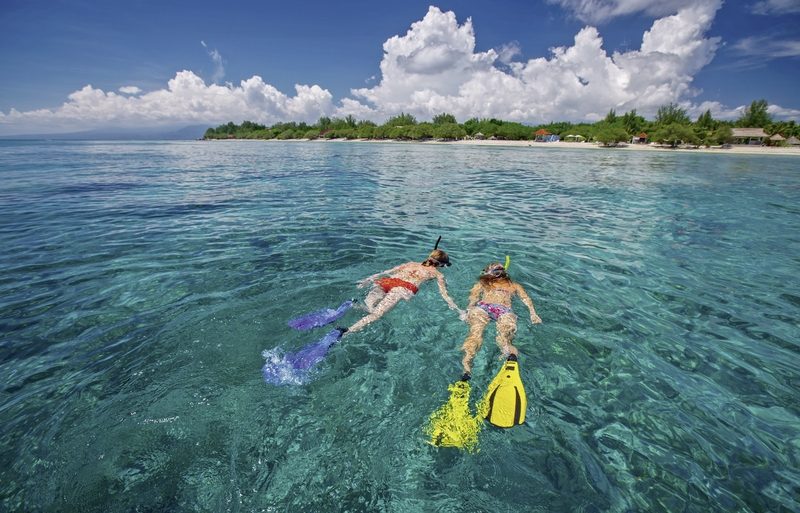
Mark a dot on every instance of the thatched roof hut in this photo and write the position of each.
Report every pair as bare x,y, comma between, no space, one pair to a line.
749,135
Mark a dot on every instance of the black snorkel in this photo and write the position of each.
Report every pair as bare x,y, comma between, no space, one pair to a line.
445,262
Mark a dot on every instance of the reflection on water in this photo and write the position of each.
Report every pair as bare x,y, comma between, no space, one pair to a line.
142,282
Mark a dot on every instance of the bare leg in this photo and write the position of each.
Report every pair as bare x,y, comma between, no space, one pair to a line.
506,329
387,303
373,298
477,319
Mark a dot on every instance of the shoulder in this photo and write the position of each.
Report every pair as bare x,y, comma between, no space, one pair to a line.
433,272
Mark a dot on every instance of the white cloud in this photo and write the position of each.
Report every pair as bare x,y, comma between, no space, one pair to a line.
718,110
434,68
599,11
508,52
771,7
767,47
129,90
779,112
186,100
219,66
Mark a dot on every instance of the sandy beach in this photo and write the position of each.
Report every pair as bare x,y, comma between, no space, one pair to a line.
732,150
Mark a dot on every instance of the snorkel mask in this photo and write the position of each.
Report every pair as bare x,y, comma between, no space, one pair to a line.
439,257
497,270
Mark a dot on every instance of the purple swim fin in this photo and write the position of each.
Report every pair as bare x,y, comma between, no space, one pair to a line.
320,317
293,368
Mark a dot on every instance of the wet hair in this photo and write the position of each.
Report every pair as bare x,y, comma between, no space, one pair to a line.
437,258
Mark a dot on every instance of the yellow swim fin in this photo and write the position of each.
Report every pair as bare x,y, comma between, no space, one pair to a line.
505,402
453,425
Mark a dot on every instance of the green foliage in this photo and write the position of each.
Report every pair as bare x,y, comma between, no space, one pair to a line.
514,132
633,123
672,114
449,131
365,131
675,134
471,126
785,128
401,120
723,134
561,127
441,119
610,134
672,126
755,116
705,121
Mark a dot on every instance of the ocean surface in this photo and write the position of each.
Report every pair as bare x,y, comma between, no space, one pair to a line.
141,284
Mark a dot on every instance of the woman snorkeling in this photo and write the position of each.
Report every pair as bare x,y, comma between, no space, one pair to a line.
402,282
490,300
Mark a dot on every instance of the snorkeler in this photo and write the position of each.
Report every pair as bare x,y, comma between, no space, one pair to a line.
490,300
402,283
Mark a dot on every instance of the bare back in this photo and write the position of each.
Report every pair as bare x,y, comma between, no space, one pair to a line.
499,293
416,273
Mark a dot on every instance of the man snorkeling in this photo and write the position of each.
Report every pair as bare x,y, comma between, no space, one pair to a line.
402,283
490,300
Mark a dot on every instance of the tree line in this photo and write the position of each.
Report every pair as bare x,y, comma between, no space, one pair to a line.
672,125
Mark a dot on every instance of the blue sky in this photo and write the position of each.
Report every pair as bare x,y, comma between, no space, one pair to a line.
185,62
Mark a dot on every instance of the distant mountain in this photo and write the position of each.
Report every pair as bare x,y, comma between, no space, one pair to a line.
186,133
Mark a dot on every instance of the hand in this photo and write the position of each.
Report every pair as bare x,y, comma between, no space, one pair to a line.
536,319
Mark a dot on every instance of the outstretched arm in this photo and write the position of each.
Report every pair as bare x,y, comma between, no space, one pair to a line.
523,296
365,281
443,291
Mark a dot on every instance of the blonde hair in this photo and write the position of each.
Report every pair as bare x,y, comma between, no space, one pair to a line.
491,279
437,256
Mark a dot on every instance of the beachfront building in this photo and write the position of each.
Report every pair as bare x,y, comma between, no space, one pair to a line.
749,135
640,138
543,135
793,141
777,140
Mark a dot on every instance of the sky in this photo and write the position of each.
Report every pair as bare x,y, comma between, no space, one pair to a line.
86,65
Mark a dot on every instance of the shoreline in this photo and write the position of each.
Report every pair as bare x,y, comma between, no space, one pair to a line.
733,150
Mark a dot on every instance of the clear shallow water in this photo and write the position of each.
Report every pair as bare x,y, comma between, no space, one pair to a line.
141,283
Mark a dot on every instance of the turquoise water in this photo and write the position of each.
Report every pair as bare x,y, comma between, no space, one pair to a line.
141,283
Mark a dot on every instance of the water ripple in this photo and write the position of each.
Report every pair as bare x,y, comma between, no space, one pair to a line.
142,282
